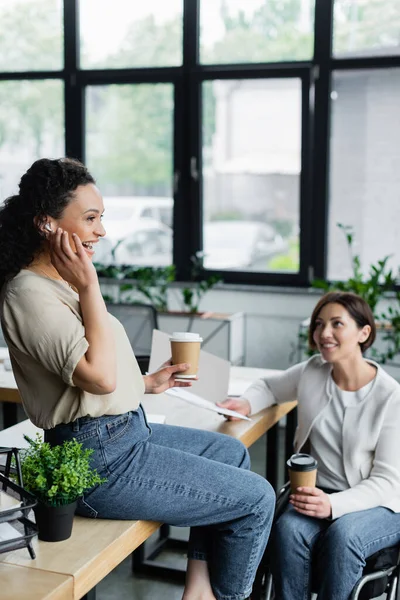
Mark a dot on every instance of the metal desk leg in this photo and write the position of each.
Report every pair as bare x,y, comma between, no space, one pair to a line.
291,424
145,562
9,414
272,456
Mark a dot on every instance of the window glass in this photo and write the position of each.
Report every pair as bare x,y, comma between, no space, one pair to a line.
31,127
366,27
251,174
233,31
121,34
31,35
364,168
129,149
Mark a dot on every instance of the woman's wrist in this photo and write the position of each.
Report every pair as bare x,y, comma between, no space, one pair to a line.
148,383
246,406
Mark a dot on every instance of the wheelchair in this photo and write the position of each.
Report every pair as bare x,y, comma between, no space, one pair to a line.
381,572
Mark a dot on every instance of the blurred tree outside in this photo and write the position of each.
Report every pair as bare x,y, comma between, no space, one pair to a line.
30,39
361,26
130,138
133,123
273,32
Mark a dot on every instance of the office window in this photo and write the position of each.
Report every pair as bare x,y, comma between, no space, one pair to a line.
31,35
31,126
255,31
129,149
121,34
365,167
251,174
366,28
246,145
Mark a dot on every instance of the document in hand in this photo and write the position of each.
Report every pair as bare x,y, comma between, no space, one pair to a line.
212,385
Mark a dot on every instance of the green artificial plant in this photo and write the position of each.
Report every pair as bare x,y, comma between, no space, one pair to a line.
194,292
371,287
57,475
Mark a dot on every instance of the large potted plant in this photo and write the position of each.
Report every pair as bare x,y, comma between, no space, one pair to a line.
57,476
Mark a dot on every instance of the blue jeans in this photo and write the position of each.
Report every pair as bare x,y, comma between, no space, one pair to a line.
337,550
183,477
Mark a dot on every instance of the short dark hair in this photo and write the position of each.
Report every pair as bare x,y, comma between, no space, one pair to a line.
45,189
358,309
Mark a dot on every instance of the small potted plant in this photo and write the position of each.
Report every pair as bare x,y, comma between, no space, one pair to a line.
57,476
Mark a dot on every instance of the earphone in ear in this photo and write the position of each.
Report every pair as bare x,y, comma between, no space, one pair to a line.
48,227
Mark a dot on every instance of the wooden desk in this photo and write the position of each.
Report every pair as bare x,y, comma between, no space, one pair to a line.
42,585
181,413
97,546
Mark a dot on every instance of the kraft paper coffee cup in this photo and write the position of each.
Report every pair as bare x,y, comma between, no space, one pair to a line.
185,348
302,471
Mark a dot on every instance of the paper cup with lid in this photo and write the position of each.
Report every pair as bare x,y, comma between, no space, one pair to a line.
302,471
185,348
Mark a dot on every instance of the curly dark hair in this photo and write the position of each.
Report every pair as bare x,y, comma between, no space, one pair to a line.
45,189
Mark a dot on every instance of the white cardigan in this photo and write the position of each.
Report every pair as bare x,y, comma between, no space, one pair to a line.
370,430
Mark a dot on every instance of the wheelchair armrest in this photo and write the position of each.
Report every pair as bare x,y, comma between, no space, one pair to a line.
282,500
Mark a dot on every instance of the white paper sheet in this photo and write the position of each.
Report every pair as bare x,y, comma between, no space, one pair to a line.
155,418
237,387
8,532
7,501
198,401
213,377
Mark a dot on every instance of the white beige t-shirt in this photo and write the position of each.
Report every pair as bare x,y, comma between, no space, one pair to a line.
326,436
45,334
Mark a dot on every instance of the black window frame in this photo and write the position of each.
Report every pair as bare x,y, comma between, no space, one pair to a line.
187,80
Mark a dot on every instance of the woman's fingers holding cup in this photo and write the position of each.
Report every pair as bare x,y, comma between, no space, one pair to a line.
310,491
314,502
180,367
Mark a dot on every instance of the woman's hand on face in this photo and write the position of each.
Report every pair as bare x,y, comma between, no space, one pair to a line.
240,405
311,501
165,378
74,267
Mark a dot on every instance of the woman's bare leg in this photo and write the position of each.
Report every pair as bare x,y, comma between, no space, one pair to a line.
197,585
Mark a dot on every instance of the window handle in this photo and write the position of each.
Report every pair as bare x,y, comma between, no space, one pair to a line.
177,177
193,169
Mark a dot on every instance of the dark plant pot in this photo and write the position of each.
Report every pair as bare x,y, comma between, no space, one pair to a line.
54,522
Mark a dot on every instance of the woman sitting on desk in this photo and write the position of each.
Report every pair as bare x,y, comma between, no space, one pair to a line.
78,378
349,416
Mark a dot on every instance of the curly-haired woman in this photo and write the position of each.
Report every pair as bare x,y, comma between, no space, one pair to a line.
79,378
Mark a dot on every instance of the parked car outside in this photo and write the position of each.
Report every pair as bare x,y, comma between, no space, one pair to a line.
137,231
240,245
121,213
148,243
103,251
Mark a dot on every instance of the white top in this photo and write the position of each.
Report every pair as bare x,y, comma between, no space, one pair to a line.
369,432
326,437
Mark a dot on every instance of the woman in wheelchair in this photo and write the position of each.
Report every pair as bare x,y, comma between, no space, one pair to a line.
349,420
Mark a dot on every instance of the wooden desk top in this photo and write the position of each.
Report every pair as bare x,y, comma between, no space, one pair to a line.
94,549
179,412
97,546
19,582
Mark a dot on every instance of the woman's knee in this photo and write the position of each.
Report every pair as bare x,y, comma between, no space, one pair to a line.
235,452
294,527
341,535
262,497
